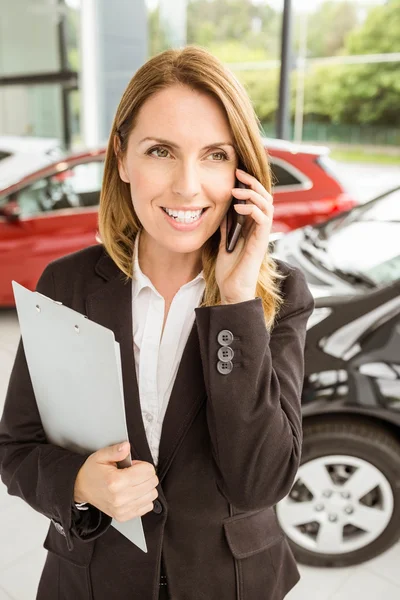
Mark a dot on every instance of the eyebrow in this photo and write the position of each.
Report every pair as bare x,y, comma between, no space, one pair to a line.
172,145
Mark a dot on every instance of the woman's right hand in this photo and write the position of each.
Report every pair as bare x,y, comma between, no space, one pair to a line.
120,493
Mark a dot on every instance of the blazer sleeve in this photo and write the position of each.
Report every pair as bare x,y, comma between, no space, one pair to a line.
254,411
40,473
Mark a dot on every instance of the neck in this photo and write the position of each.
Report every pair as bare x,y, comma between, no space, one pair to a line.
167,270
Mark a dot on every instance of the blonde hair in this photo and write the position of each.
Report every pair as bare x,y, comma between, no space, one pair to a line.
118,222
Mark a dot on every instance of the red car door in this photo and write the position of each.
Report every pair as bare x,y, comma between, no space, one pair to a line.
58,215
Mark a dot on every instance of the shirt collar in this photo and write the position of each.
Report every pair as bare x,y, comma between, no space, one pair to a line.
141,281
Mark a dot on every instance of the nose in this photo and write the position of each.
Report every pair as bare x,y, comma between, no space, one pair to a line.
187,183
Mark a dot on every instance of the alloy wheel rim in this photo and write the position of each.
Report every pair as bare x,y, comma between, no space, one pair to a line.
338,504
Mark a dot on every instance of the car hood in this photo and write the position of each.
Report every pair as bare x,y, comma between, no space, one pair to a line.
322,283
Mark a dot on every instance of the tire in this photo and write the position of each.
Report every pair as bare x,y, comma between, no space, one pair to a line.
327,535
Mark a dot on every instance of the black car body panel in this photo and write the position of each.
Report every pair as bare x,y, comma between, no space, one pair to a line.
353,339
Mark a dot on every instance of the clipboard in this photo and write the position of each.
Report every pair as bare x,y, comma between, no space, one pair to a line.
76,373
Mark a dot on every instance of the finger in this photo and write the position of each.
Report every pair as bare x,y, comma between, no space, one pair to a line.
126,500
256,213
248,228
144,510
138,473
141,470
128,497
253,183
149,497
141,489
224,229
125,509
264,204
112,454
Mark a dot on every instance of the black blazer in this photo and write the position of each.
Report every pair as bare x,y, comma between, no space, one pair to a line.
229,451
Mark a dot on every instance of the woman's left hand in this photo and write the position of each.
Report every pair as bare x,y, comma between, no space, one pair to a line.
237,272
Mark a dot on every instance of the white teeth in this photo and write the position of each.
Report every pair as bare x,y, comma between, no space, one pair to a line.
182,216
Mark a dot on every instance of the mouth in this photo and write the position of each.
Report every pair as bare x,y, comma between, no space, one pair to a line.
184,216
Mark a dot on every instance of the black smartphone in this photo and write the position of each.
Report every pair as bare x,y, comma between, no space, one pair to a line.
237,221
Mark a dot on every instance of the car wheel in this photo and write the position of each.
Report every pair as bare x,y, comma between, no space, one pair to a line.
344,507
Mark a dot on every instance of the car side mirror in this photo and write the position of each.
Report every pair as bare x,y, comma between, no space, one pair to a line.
10,211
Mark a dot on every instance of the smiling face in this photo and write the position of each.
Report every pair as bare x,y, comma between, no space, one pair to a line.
180,164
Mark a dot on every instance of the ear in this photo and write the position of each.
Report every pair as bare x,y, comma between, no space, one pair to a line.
121,166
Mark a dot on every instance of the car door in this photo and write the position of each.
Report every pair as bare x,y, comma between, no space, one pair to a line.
289,183
57,216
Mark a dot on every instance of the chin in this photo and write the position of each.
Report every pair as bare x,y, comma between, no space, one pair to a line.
184,244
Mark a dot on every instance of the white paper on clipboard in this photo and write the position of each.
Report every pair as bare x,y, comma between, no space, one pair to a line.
76,373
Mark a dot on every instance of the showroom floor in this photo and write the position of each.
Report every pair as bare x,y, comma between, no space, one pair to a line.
23,531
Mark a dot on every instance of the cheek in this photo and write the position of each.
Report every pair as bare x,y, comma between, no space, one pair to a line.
221,193
143,189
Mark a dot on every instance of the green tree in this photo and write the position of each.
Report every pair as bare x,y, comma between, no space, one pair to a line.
235,31
329,26
240,31
369,93
212,23
262,87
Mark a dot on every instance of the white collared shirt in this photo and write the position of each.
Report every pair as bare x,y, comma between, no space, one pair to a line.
157,358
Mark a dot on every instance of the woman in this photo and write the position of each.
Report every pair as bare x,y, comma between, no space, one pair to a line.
212,356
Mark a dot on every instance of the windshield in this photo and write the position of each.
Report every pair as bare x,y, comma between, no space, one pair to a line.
386,208
366,241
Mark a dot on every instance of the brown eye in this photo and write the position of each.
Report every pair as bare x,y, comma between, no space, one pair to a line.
159,152
219,156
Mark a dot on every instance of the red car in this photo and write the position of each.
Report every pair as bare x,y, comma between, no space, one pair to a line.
53,211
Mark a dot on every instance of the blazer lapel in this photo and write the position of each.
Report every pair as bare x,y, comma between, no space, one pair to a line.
111,306
187,397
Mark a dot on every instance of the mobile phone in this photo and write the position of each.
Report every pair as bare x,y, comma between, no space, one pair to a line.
237,221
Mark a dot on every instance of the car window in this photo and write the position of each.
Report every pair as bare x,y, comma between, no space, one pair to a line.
384,209
281,176
76,187
32,199
385,212
366,240
85,181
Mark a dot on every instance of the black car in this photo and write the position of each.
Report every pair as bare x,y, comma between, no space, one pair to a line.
344,507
